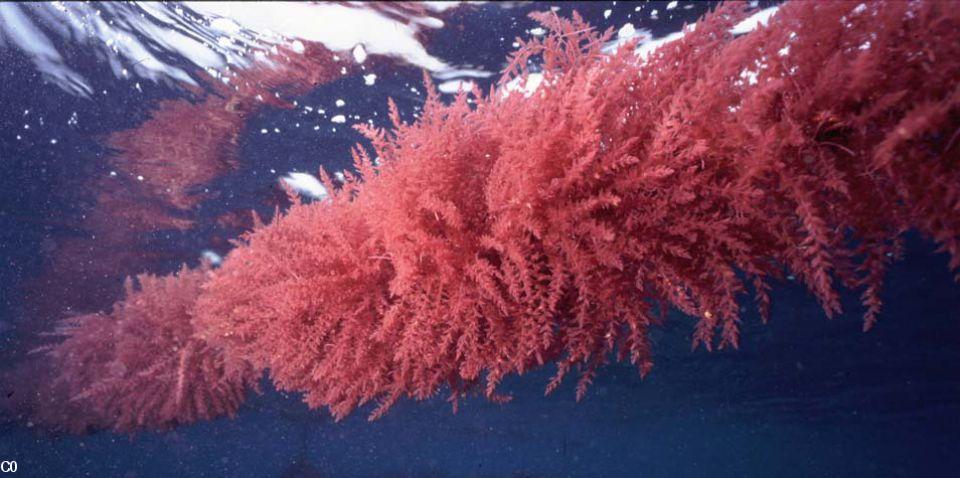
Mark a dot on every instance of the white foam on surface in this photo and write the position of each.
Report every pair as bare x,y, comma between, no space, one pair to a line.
647,44
525,85
359,54
212,257
455,73
154,41
753,21
626,33
305,184
455,86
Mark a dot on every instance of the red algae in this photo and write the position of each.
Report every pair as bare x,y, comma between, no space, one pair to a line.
140,366
559,227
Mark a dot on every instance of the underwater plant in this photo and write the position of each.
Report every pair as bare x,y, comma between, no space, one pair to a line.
504,232
141,365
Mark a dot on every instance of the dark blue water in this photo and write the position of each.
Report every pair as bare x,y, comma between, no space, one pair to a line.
803,396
